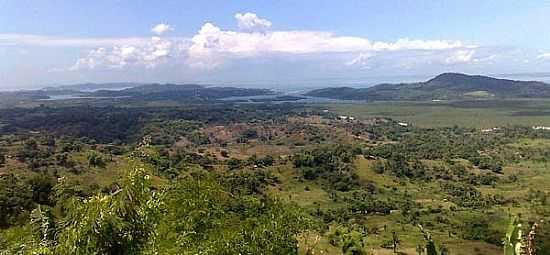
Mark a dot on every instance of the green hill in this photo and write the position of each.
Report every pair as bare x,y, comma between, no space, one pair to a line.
444,86
187,92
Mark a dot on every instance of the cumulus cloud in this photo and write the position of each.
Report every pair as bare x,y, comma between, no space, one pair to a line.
211,45
161,28
145,53
155,52
251,22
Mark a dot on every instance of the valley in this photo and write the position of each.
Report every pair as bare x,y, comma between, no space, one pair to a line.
213,175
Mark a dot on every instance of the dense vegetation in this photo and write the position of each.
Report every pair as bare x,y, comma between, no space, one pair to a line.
227,178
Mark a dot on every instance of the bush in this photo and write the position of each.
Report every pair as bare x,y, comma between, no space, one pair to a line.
95,159
15,200
204,218
334,165
378,167
123,222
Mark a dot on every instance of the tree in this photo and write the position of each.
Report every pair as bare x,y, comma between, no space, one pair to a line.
351,241
42,188
198,138
123,222
29,150
513,241
395,242
204,218
378,166
234,164
95,159
15,200
332,164
2,159
429,248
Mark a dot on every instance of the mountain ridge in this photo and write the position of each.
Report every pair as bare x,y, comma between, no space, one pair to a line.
180,92
444,86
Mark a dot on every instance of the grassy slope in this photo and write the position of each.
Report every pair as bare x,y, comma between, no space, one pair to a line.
292,190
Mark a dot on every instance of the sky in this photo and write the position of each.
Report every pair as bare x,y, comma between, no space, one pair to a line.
277,43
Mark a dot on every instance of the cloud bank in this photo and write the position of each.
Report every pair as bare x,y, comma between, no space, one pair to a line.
212,47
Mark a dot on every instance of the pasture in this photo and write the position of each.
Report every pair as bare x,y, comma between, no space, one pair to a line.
471,113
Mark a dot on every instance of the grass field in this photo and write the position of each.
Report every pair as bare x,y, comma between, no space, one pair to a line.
310,196
473,113
531,175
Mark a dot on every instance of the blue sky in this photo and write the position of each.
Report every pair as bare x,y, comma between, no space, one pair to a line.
266,43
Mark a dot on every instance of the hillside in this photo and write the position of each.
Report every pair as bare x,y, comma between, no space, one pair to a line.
180,92
250,177
136,94
444,86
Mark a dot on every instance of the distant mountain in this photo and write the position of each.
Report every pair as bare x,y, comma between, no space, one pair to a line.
156,88
87,87
176,92
444,86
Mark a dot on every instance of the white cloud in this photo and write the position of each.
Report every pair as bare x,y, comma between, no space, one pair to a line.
544,56
55,41
408,44
432,58
484,59
161,28
464,56
251,22
157,51
211,45
362,61
460,56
